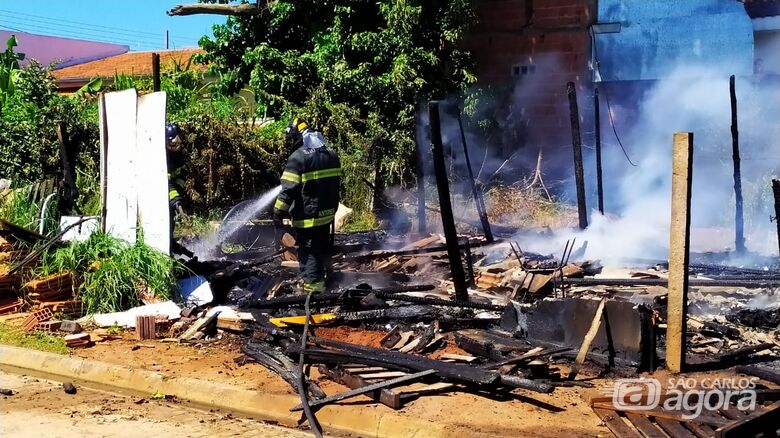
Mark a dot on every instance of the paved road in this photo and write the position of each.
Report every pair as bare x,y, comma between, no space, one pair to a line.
40,408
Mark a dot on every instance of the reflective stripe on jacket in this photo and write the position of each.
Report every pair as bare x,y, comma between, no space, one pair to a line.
310,187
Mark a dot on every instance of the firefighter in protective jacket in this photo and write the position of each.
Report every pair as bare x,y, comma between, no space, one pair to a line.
310,197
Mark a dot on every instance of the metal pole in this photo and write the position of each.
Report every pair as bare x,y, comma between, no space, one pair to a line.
599,180
679,243
156,71
739,219
476,191
576,141
447,220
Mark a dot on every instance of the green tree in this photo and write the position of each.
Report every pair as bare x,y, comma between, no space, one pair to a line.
354,68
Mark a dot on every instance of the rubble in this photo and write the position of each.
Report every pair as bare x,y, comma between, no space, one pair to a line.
391,328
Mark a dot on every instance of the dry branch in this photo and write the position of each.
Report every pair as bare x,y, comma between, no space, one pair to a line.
247,9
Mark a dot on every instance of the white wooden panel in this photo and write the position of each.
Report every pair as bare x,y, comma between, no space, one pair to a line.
152,169
121,201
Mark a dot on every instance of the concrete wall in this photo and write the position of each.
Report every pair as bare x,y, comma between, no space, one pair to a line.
63,51
657,36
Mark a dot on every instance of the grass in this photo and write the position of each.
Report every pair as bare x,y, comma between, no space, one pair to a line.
15,207
360,221
36,340
195,225
113,273
524,205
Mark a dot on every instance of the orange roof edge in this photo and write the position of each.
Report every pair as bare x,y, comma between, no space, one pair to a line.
130,63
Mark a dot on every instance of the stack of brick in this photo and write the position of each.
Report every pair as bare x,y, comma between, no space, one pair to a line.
54,292
9,302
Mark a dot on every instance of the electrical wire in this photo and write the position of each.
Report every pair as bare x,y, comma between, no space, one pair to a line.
596,65
76,34
131,32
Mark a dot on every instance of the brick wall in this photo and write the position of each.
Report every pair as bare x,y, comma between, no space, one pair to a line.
534,47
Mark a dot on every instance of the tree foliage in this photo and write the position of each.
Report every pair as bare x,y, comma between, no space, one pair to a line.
354,68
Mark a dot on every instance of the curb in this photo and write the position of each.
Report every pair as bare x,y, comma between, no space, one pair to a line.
368,422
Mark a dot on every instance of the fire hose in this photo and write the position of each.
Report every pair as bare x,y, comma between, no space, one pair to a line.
316,429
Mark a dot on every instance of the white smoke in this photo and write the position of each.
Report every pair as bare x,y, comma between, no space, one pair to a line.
691,99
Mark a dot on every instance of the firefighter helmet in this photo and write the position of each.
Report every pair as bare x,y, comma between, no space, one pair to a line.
294,131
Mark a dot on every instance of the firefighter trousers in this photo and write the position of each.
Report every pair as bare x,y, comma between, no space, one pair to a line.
314,256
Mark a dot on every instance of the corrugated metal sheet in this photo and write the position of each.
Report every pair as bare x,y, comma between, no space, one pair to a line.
658,36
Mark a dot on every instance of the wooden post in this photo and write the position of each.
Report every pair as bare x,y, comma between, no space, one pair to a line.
68,154
576,142
422,226
156,71
476,191
776,190
599,181
679,241
739,220
445,206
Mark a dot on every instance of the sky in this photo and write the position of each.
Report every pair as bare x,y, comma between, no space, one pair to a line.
139,24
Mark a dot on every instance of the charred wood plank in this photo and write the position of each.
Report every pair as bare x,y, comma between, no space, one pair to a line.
528,384
739,219
615,424
400,361
763,420
475,189
776,192
407,252
588,340
346,377
365,389
526,357
644,425
739,353
674,428
762,373
576,142
281,365
731,282
599,171
447,220
440,301
298,300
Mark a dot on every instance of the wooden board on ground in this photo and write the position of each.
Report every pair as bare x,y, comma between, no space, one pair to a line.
658,423
152,169
391,397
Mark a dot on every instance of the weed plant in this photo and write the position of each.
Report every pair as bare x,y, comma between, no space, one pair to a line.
112,274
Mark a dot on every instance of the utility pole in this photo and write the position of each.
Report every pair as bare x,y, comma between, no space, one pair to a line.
156,71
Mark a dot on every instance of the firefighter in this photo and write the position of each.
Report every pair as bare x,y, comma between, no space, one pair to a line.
310,197
175,184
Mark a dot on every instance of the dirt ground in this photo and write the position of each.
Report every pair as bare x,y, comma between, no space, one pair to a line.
564,413
41,408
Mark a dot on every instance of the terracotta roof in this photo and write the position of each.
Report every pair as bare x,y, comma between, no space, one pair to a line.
130,63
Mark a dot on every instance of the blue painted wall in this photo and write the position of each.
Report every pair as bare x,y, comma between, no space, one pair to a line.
658,36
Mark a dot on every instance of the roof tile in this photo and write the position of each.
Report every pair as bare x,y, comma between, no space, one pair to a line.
130,63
